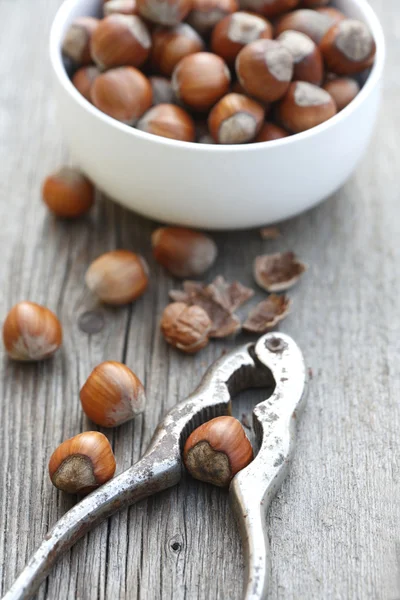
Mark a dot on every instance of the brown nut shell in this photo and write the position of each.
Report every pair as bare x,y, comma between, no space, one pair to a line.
112,395
269,8
185,327
83,80
123,93
118,277
270,132
124,7
267,314
235,119
200,80
217,450
119,41
31,332
265,69
77,40
205,14
170,45
164,12
68,193
307,58
170,121
348,47
307,21
82,463
235,31
278,272
305,106
183,252
343,90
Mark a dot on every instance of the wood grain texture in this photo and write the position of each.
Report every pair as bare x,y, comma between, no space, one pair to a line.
335,524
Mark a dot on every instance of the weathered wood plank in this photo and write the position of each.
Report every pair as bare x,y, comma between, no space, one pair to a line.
335,524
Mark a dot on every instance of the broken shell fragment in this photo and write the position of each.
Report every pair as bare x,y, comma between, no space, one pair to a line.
267,314
278,272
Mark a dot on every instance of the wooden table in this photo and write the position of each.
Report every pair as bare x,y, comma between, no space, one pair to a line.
335,525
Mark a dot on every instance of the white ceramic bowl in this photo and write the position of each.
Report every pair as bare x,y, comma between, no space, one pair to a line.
211,186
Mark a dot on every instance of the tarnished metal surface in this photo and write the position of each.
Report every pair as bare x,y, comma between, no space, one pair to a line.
161,465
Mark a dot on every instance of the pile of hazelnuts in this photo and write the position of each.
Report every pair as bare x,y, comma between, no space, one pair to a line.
205,71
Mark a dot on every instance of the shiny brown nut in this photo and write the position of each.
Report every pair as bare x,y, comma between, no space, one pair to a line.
123,93
31,332
305,20
76,43
200,80
186,327
118,277
269,8
235,119
83,80
82,463
170,45
205,14
170,121
68,193
164,12
270,132
305,106
162,90
120,40
307,58
348,47
237,30
343,90
124,7
265,69
335,14
183,252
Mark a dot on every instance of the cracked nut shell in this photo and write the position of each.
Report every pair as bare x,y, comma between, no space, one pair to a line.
278,272
185,327
217,450
82,463
31,332
112,395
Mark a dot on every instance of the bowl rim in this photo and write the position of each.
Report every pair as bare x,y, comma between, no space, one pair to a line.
372,81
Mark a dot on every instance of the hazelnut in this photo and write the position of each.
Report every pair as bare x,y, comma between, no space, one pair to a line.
305,20
118,277
265,69
269,8
68,193
173,44
343,90
217,450
124,7
235,119
313,3
235,31
308,63
170,121
270,132
82,463
164,12
123,93
183,252
348,47
83,80
112,395
237,88
305,106
76,44
186,327
120,40
205,14
200,80
335,14
31,332
162,90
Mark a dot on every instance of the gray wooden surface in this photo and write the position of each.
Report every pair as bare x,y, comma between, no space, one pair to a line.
335,525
